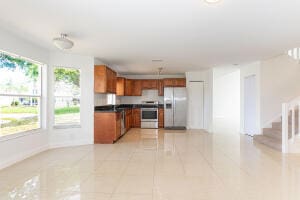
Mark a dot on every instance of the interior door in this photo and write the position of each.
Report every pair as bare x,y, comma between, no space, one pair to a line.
196,104
250,111
180,107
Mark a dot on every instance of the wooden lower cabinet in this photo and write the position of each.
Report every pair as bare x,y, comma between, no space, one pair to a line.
136,118
160,117
128,119
107,127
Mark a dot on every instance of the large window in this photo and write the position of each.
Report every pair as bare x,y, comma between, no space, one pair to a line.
67,96
20,94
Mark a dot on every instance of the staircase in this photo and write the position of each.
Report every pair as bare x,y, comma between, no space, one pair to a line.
272,137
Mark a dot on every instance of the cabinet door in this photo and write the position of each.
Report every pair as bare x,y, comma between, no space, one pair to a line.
180,82
128,87
136,88
168,82
104,79
128,119
160,88
136,118
111,81
118,126
160,117
105,128
150,84
120,86
114,82
100,79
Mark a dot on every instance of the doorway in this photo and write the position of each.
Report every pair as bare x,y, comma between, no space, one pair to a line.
196,105
250,111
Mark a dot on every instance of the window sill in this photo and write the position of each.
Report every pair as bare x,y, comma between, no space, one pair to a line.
66,126
21,134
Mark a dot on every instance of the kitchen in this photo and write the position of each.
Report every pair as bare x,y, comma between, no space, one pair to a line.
136,102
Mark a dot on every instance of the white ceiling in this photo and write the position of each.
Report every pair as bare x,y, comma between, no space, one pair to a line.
187,34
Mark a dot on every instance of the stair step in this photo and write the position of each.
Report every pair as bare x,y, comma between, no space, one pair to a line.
269,141
273,133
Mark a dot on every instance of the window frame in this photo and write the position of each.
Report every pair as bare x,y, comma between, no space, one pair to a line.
40,96
65,126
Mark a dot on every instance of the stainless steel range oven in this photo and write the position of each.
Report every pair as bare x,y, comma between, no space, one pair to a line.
149,114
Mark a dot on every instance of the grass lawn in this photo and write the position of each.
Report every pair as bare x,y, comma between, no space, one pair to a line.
17,119
18,109
34,110
66,110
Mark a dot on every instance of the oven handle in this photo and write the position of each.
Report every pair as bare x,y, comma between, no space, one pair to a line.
149,109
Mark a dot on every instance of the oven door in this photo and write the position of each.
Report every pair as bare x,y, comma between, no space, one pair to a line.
149,114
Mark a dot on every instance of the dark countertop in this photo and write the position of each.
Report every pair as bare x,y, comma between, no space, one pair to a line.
121,107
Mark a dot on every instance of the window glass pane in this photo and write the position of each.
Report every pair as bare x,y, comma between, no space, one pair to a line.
18,76
67,96
18,114
67,111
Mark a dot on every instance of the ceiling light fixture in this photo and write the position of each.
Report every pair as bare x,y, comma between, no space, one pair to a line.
63,42
294,53
212,1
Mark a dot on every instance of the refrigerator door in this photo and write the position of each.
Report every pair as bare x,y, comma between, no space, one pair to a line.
168,107
180,107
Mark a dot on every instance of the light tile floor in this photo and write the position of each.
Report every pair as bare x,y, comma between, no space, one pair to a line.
157,165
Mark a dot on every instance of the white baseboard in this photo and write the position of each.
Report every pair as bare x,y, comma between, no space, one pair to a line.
22,156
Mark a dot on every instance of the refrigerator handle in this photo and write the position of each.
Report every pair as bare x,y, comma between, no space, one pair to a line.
174,108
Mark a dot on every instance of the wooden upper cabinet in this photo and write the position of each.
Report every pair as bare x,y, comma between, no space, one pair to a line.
168,82
160,87
120,87
175,82
104,79
180,82
136,89
128,86
150,84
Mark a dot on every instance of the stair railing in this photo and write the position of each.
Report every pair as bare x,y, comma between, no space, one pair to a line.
288,108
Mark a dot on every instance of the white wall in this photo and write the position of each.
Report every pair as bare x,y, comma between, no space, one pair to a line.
207,77
245,71
19,146
279,83
84,134
226,97
24,145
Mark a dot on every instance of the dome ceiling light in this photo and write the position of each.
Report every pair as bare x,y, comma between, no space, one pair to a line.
294,53
63,42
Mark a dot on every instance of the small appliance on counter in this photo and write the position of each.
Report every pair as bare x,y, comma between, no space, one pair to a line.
149,114
175,99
